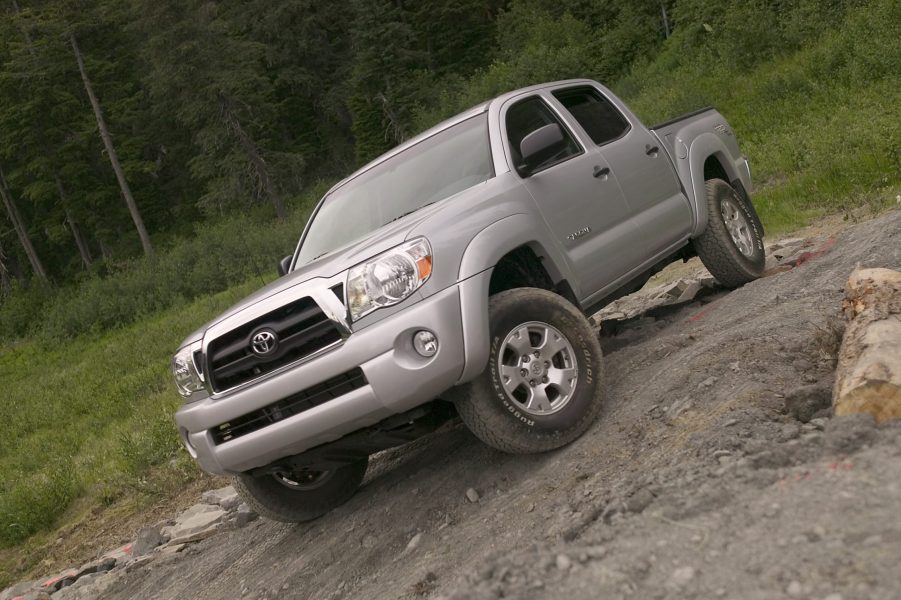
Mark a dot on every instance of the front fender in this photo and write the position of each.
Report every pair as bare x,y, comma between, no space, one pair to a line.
492,243
477,264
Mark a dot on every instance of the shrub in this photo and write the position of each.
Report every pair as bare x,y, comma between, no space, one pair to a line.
219,255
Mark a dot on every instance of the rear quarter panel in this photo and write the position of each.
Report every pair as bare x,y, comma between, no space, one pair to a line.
689,143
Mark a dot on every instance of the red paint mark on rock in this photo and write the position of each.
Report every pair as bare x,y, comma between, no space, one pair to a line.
697,315
50,582
807,256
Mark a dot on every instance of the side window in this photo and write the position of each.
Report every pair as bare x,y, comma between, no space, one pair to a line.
600,119
525,117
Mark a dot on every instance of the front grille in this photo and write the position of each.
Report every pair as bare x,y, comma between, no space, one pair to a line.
290,406
301,327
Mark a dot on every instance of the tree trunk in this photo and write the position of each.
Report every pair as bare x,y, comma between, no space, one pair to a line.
253,155
665,19
868,376
4,272
111,151
83,248
105,250
19,225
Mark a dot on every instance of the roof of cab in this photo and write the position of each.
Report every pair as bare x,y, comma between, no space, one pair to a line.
458,118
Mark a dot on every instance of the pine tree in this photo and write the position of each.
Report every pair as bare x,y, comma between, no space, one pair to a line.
212,80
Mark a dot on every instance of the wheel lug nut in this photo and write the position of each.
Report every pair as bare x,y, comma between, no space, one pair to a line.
544,379
525,358
523,372
532,382
537,354
547,364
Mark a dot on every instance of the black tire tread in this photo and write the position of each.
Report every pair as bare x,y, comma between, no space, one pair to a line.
715,247
272,500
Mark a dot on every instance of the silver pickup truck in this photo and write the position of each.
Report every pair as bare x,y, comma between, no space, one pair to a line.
451,277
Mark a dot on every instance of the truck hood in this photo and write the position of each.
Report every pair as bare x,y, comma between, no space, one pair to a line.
380,240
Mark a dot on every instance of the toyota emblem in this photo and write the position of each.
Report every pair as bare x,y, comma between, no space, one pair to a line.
264,342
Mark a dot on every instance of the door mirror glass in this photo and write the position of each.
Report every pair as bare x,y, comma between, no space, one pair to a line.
284,264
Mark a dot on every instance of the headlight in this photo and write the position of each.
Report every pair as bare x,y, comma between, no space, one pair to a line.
187,379
388,278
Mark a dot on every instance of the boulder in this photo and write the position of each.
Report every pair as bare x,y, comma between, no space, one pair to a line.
226,498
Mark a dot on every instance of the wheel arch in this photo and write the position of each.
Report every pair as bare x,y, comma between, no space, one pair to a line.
489,265
513,237
708,158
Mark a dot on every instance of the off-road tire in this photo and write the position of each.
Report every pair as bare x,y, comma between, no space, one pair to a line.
716,248
494,417
276,501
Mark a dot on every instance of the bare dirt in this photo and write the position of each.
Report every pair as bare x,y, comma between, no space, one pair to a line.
694,483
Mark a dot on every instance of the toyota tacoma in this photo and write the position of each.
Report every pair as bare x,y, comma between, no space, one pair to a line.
452,277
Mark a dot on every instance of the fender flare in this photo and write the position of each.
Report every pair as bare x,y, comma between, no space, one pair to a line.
702,148
522,229
476,267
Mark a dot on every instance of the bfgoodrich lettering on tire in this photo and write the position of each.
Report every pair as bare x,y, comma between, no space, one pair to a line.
543,386
732,245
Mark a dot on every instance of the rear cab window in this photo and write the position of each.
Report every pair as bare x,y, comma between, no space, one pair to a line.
598,117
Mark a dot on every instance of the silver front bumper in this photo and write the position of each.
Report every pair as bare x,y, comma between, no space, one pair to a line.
398,379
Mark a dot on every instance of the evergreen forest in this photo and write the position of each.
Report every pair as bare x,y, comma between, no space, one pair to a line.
127,126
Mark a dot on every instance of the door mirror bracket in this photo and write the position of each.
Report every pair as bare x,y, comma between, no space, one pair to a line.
284,264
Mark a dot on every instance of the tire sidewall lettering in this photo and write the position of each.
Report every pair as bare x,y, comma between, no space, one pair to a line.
752,222
758,239
586,374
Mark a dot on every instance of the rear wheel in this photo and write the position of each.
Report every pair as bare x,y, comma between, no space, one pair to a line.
732,245
542,387
293,496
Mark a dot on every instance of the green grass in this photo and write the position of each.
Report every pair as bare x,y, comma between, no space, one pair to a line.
820,125
89,417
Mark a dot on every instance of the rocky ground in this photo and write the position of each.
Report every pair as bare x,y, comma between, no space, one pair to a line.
715,471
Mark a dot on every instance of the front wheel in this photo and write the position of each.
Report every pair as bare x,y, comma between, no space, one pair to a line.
542,387
301,495
732,245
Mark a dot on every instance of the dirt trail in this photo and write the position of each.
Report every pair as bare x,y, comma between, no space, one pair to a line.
694,483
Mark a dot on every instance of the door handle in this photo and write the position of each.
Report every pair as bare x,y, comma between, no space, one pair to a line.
601,171
651,150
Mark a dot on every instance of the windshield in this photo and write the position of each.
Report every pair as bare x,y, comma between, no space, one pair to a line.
434,169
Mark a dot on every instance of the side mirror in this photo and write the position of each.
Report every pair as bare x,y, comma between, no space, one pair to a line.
284,264
540,145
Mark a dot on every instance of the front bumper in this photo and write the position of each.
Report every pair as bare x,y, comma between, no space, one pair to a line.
398,379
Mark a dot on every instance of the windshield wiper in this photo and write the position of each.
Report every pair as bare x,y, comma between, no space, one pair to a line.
409,212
